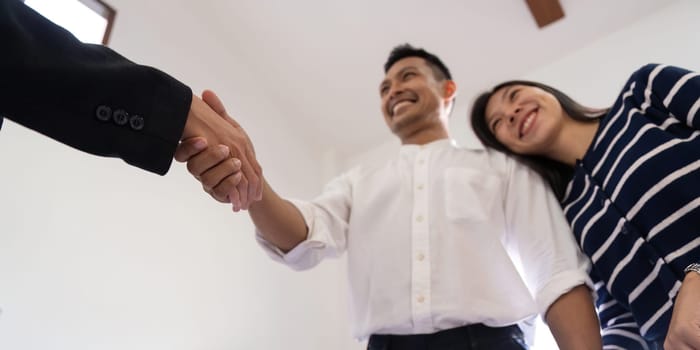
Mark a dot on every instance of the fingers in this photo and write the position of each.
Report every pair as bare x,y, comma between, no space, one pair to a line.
220,192
221,180
207,159
235,199
242,190
221,176
250,187
189,148
254,181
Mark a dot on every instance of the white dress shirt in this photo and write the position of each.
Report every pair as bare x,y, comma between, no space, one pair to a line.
433,238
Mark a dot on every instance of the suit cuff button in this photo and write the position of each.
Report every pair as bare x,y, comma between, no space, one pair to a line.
136,122
121,117
103,113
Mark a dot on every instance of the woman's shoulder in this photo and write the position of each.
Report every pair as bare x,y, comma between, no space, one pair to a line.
657,72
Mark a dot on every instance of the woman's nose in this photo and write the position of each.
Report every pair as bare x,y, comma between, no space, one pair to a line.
513,115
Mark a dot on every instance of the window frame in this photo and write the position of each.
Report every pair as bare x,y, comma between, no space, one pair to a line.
106,11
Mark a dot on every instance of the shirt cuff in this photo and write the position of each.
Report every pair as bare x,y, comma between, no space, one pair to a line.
559,285
307,253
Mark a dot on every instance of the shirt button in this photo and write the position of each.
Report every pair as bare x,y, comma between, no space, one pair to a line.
420,256
419,187
419,218
421,162
420,299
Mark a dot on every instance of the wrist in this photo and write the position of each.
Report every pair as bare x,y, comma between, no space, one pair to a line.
193,123
692,272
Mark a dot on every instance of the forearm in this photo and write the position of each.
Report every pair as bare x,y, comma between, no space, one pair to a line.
278,220
71,91
573,321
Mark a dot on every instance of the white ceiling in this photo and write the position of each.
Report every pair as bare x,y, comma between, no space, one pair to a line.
320,61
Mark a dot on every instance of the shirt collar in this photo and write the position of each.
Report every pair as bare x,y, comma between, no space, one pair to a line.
413,148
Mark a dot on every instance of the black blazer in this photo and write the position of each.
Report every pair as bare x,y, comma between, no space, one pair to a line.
87,96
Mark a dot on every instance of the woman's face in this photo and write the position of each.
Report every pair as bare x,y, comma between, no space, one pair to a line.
526,119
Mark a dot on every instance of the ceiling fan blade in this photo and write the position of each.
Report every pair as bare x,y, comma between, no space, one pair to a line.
545,11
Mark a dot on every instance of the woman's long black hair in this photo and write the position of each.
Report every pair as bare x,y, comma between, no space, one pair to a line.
557,174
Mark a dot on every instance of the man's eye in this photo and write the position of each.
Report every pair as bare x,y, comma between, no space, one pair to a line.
408,75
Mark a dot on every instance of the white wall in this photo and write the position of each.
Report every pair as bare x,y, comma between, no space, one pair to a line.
593,75
98,255
95,254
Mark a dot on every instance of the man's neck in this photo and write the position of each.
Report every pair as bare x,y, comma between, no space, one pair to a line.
425,137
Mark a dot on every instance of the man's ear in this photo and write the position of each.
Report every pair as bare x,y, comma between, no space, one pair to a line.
449,88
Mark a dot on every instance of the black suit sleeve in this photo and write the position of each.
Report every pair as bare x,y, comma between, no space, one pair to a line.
87,96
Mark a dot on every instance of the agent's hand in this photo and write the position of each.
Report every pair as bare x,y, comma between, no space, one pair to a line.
684,331
210,124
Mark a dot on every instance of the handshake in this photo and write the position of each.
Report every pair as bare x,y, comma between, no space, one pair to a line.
219,153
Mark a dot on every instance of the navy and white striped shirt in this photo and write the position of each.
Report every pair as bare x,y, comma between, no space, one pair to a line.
634,203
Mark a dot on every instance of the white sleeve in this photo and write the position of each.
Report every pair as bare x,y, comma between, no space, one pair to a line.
326,219
539,234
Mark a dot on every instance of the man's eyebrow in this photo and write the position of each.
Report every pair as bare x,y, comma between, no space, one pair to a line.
405,69
397,73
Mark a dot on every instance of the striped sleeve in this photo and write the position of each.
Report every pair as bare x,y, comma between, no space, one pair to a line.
671,89
619,328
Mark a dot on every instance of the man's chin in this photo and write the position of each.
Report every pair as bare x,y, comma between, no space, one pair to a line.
400,119
402,123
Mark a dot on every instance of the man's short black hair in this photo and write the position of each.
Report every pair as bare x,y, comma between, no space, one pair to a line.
406,50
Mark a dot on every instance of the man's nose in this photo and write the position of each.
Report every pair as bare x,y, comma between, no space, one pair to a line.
395,90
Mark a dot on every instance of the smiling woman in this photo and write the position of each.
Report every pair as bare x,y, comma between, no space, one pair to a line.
90,21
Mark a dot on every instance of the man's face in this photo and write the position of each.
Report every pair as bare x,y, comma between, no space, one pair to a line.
412,98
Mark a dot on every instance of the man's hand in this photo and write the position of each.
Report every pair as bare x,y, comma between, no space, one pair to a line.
214,168
209,123
684,331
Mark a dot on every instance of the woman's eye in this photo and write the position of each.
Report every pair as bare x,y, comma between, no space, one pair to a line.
513,94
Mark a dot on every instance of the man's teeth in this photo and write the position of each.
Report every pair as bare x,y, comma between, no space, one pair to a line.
398,105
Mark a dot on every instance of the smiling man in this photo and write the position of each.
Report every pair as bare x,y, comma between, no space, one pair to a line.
431,234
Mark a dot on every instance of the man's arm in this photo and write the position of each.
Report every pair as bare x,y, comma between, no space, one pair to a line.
555,269
573,321
208,119
278,221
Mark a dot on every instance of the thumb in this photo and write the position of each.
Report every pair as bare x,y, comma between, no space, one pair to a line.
210,98
189,148
214,102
